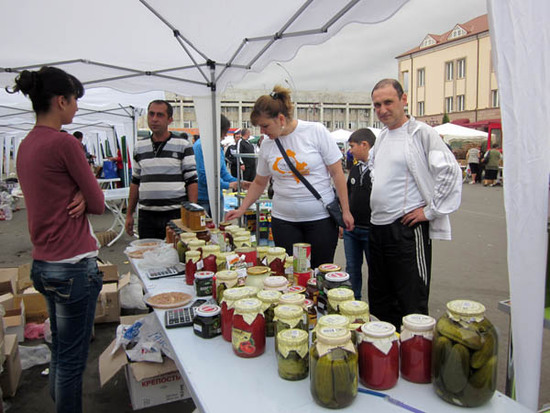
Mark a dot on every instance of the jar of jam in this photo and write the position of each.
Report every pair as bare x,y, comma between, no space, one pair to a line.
333,368
196,244
210,223
207,321
416,348
322,270
248,332
293,354
311,313
378,356
261,255
248,254
276,282
221,260
337,279
196,217
192,259
337,296
288,316
330,320
298,289
270,300
224,280
230,297
209,255
276,260
311,290
203,283
256,276
223,225
240,241
357,313
464,355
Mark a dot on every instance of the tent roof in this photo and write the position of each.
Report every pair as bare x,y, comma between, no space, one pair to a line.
450,132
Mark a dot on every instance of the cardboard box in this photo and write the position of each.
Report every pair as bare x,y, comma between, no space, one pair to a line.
108,302
36,309
149,384
14,320
24,277
110,271
9,379
8,280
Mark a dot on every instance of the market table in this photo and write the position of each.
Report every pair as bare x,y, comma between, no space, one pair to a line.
107,183
220,381
115,199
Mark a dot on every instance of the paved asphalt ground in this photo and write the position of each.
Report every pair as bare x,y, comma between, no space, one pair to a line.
472,266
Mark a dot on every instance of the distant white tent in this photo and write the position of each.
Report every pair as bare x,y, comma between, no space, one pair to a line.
452,132
341,135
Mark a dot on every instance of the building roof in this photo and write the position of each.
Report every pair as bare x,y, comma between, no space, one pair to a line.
475,26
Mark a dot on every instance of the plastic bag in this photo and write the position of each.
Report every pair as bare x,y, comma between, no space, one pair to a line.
34,356
131,296
163,256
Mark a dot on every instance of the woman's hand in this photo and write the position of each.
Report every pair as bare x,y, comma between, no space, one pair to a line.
235,214
348,220
77,207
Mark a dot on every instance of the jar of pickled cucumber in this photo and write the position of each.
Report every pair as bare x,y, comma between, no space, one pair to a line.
464,357
357,313
288,316
270,300
196,244
330,320
221,260
295,299
224,280
416,348
248,332
276,283
337,296
293,354
182,246
378,355
333,364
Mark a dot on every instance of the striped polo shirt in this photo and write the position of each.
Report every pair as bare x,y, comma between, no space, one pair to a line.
162,175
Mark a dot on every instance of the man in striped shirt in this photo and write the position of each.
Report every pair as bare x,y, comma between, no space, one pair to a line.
164,175
417,183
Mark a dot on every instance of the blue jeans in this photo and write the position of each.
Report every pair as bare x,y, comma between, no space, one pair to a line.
356,243
71,292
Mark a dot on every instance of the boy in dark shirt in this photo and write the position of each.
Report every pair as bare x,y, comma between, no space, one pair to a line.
356,242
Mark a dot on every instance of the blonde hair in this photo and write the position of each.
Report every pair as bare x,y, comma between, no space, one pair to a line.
277,102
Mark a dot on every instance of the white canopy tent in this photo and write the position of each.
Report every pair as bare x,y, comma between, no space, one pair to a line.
452,132
341,135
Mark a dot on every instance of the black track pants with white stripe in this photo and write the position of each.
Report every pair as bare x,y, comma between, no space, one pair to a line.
399,271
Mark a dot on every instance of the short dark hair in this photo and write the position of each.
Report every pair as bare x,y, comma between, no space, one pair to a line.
389,82
78,134
363,135
225,125
169,108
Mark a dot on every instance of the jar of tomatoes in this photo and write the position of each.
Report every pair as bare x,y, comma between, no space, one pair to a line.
333,368
248,332
337,296
378,355
192,259
270,300
230,297
276,260
224,280
416,348
209,253
293,354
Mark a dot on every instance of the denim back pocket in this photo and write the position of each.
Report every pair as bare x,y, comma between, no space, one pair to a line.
57,286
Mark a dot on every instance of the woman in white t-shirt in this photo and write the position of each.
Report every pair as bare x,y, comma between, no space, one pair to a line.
297,216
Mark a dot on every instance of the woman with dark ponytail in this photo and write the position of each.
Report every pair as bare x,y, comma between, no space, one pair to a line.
60,190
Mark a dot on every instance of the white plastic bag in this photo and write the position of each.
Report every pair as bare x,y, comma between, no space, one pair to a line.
163,256
131,296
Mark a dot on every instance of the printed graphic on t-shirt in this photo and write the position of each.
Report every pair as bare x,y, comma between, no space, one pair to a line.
283,168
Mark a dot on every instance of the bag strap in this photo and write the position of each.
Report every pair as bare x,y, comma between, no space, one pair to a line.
297,173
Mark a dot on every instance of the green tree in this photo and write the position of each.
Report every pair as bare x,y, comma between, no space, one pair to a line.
445,118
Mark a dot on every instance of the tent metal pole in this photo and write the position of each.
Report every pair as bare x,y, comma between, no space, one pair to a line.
216,202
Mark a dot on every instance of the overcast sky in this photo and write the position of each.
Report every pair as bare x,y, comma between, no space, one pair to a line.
359,55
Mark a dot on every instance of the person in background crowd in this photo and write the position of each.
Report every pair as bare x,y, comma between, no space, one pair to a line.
160,194
230,153
417,183
356,241
79,136
472,158
297,216
249,164
60,190
492,165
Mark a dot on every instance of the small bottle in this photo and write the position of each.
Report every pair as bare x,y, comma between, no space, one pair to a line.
378,356
416,348
248,332
207,321
337,296
293,354
270,300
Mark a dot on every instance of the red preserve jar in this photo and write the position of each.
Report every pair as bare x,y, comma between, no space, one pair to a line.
192,259
378,356
230,296
416,348
209,257
248,332
276,260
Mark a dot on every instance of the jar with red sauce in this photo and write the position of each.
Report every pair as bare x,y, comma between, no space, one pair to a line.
276,260
192,259
378,356
209,256
248,332
228,301
416,348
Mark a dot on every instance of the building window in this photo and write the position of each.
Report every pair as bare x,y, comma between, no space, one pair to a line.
187,124
449,105
420,109
428,41
494,98
460,103
246,124
449,71
421,73
461,68
338,124
351,126
405,81
457,32
328,124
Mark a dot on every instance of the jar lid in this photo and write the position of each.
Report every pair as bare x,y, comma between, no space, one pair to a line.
226,275
312,282
244,250
196,242
251,291
288,311
241,231
224,224
241,238
354,307
324,268
276,251
223,254
257,270
231,228
333,320
333,335
235,293
466,308
204,274
208,310
292,337
192,207
275,281
269,296
418,322
337,276
340,294
292,298
192,254
296,289
248,305
187,236
210,249
308,303
262,250
378,329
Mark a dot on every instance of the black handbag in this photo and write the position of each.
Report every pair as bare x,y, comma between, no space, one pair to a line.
333,208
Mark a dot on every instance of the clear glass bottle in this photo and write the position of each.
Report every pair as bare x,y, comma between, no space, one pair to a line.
416,348
293,354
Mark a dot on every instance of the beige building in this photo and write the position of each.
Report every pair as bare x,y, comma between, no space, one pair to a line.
452,73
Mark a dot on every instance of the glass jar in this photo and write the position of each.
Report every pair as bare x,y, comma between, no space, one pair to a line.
182,246
295,299
337,279
357,313
248,255
196,217
217,238
276,283
330,320
465,355
322,270
416,348
251,291
256,275
288,316
203,283
311,313
209,253
378,356
337,296
270,300
248,332
240,241
207,321
192,259
224,280
298,289
261,255
223,225
276,260
293,354
196,244
221,260
333,368
311,290
230,296
210,223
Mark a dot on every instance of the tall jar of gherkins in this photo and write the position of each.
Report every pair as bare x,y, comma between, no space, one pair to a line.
465,355
293,354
